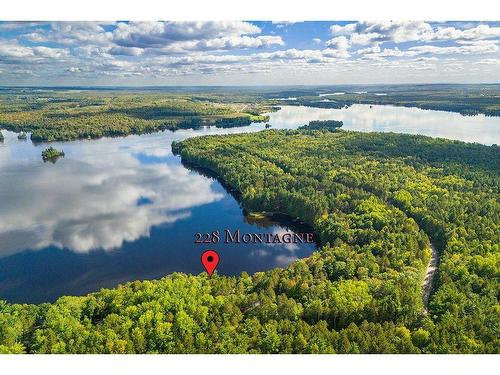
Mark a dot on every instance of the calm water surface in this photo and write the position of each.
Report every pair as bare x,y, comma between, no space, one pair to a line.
385,118
121,209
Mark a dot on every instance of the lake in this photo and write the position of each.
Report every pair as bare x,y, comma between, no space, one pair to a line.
385,118
121,209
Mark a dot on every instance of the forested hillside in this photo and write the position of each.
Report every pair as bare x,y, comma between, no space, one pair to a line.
350,185
376,202
63,116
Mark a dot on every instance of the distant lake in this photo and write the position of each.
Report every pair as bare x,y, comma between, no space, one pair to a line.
121,209
385,118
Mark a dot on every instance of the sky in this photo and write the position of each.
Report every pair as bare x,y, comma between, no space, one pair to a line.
247,53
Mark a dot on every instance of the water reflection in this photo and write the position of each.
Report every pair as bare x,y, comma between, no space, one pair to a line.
83,206
115,210
123,209
360,117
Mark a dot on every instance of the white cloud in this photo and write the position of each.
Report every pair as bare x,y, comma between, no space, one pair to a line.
70,33
9,26
138,38
343,30
472,48
466,48
293,54
340,42
335,53
489,62
365,33
224,43
12,50
127,51
53,53
370,50
475,33
158,51
161,34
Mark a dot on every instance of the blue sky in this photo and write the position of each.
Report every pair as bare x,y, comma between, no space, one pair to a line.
248,53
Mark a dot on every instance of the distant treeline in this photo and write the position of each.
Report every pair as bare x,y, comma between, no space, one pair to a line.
466,104
67,116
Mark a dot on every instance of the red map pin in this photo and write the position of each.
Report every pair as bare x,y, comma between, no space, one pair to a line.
210,259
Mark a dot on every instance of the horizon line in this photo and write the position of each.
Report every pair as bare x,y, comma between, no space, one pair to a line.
253,86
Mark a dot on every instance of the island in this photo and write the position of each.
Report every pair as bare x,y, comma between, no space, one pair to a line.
327,125
51,154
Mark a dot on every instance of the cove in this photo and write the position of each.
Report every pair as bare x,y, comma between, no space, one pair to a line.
122,209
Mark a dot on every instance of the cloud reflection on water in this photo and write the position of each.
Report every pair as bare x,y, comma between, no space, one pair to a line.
91,204
92,198
385,118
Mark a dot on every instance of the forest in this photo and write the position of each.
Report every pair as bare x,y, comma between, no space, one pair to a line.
375,200
69,115
81,113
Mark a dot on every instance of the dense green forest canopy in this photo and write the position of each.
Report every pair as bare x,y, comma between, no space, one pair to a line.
329,125
375,200
68,115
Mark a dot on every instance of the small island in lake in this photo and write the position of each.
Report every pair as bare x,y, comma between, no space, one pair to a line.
51,154
329,125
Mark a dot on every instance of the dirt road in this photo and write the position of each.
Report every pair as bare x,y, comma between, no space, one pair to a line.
430,272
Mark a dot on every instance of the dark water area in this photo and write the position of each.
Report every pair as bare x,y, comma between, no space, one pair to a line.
116,210
45,274
121,209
